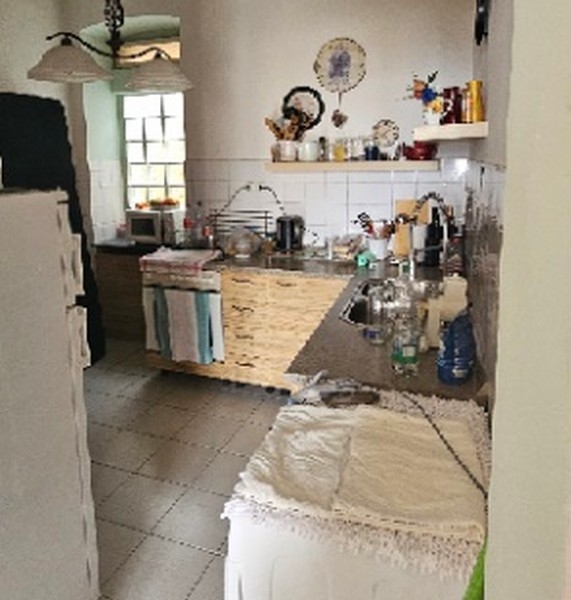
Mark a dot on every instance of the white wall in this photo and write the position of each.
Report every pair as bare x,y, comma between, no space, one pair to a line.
530,492
23,30
243,58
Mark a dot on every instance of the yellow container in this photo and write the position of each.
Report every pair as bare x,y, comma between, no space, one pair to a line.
476,101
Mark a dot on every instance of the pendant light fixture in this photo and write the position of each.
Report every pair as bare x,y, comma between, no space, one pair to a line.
68,63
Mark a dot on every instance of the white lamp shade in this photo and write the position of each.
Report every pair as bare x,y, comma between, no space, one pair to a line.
158,75
67,64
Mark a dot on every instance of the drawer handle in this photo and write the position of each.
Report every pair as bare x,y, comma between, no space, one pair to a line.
242,308
245,364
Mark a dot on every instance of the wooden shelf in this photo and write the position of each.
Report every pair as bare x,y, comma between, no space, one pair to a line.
454,131
352,166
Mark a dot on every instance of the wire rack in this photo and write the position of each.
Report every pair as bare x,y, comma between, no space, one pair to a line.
225,221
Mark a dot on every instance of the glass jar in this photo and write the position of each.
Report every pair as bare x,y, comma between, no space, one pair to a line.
339,150
380,312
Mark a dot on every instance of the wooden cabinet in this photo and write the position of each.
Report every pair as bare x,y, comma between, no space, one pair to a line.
268,318
120,287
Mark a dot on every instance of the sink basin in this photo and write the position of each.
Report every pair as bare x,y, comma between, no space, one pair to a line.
357,308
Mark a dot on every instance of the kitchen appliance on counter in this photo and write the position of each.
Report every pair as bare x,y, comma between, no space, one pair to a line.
289,233
155,226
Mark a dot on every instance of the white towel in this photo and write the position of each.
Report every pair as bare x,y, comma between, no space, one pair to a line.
217,327
151,342
182,325
399,474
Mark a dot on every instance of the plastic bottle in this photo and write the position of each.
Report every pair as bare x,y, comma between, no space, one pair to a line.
457,351
194,226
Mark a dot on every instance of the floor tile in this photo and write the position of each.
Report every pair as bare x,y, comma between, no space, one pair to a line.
176,461
247,439
105,381
222,474
267,411
128,450
192,395
140,502
114,410
150,388
209,430
158,570
98,439
211,584
105,480
235,402
162,421
114,543
195,519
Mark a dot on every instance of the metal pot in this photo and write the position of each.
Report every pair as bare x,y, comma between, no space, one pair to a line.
289,233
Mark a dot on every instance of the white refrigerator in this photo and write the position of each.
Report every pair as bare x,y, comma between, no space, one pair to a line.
47,526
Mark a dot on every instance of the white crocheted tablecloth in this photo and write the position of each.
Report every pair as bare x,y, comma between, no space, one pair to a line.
376,479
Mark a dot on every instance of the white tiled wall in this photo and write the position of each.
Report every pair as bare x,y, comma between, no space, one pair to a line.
107,199
328,202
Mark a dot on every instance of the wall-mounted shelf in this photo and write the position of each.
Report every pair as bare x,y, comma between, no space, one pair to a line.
454,131
352,166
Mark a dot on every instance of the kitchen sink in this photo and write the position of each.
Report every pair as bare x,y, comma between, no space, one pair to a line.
356,309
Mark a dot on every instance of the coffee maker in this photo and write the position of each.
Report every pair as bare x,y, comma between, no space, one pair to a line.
289,233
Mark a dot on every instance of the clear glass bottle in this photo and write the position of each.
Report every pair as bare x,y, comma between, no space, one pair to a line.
405,348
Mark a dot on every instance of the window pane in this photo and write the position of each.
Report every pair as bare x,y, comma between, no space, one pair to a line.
135,153
157,193
154,128
175,175
136,195
173,105
156,175
133,129
142,106
138,175
177,193
175,152
156,153
174,129
155,147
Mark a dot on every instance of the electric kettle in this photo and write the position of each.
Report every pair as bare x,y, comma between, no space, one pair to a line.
289,233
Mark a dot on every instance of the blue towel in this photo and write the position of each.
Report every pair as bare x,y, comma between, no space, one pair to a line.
162,322
204,327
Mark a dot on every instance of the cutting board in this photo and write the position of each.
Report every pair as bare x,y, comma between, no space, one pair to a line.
401,241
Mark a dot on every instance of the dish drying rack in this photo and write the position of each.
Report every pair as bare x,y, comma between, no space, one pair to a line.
223,222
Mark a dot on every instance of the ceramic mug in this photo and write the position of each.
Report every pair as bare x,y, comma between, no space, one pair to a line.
308,151
287,150
379,247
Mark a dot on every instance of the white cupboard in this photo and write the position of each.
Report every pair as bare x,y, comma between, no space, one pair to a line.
47,524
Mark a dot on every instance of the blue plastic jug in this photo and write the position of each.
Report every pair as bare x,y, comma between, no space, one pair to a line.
457,352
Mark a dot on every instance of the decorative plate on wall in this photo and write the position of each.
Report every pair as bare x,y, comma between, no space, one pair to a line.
385,133
340,65
304,100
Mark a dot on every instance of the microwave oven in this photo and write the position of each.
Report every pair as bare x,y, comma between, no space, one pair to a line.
155,226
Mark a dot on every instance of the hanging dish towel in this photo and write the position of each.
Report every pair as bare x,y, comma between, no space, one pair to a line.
184,325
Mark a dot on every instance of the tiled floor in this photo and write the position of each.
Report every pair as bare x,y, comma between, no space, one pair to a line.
166,451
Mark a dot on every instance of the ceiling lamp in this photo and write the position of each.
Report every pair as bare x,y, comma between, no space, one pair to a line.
68,63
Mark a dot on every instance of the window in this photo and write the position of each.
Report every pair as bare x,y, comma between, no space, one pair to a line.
154,147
